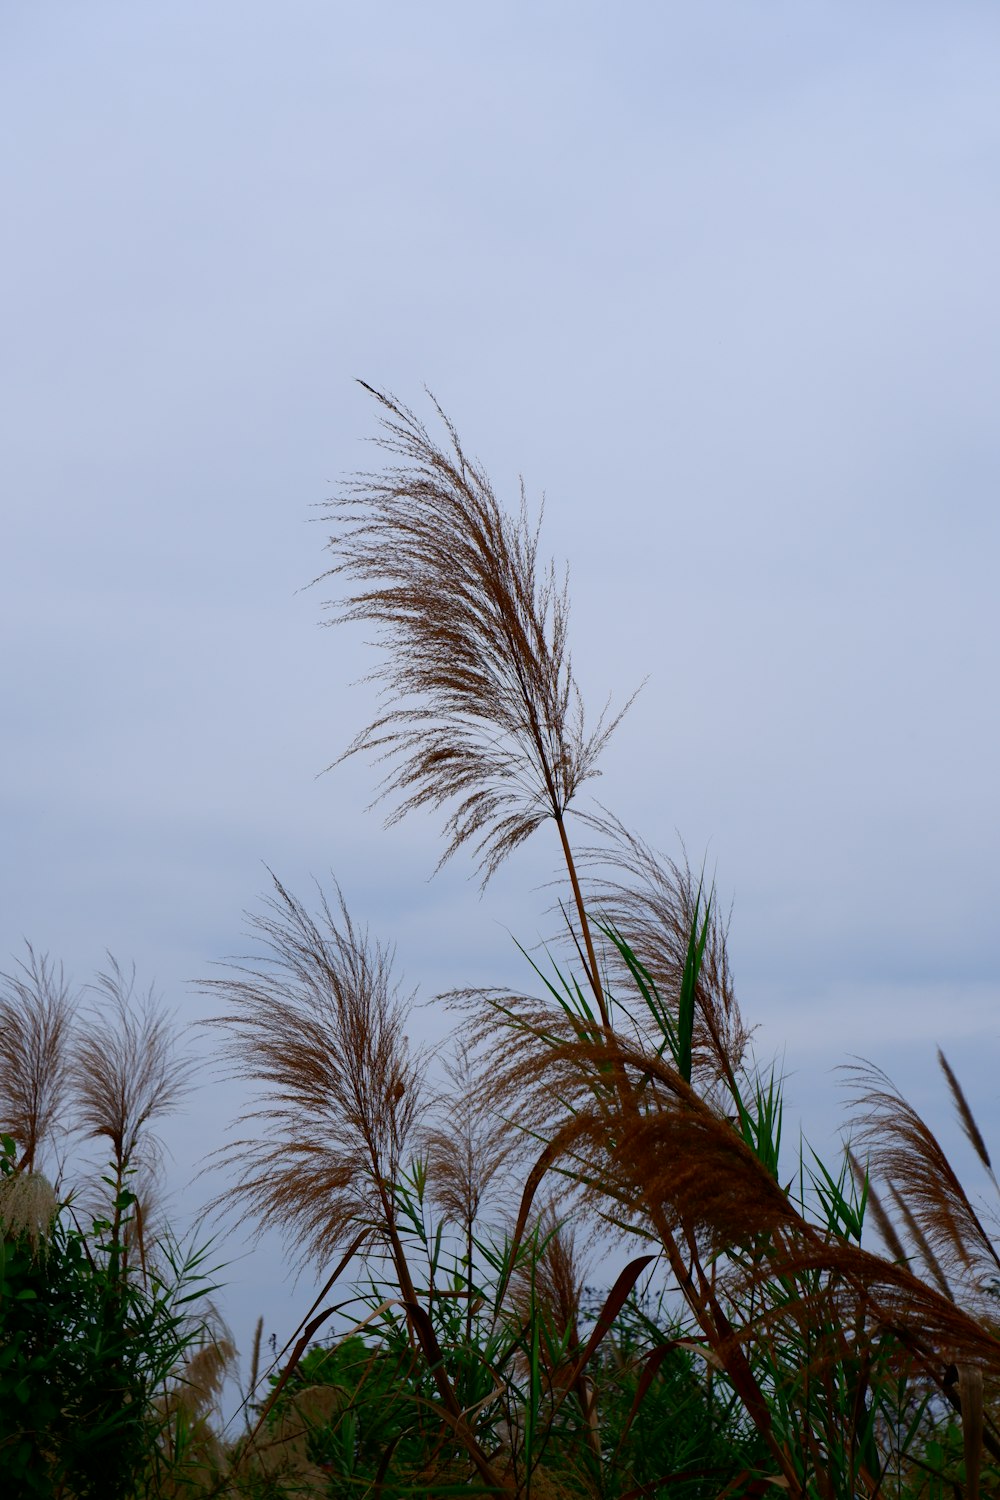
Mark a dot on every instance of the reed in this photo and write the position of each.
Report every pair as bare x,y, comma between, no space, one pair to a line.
693,1167
756,1339
37,1008
103,1334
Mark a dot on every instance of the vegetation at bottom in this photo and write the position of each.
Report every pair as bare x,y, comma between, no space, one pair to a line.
823,1329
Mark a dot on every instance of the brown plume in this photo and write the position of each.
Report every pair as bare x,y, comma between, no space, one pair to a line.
972,1132
904,1151
317,1025
188,1413
684,1156
548,1285
918,1237
126,1069
468,1145
854,1282
876,1208
484,713
666,1153
653,908
550,1280
36,1019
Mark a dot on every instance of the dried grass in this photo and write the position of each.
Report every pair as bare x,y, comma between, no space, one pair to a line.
483,716
37,1008
126,1070
484,710
317,1025
904,1151
467,1146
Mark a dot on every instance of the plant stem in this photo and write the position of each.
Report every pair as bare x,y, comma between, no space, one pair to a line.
422,1332
701,1298
591,964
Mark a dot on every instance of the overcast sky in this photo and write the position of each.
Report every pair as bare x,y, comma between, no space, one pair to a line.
719,278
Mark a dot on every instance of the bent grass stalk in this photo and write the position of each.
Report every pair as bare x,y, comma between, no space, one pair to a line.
627,1094
453,585
481,646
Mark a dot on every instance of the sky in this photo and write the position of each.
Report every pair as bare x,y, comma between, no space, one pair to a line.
717,279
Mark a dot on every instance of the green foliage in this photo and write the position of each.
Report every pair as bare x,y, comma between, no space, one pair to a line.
86,1350
665,1416
779,1353
382,1423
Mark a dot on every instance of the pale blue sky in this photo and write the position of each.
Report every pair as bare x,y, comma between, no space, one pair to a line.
719,278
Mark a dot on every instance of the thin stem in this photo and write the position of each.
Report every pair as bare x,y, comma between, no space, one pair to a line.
592,970
422,1333
701,1298
468,1282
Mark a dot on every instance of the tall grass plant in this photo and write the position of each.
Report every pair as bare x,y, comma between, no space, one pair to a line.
759,1336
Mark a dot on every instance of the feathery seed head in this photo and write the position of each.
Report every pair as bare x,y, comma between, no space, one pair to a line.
468,1149
485,713
651,902
28,1207
36,1019
126,1070
905,1152
318,1025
